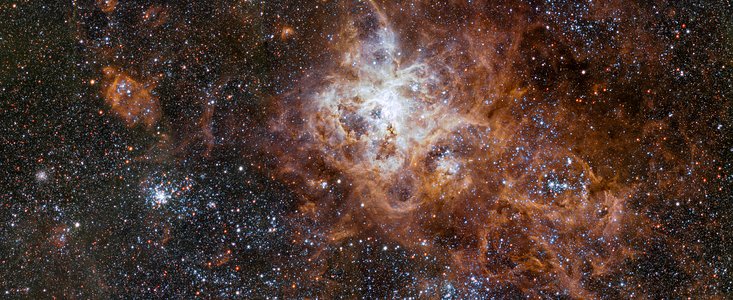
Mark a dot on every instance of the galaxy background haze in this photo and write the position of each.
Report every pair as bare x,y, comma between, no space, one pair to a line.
345,149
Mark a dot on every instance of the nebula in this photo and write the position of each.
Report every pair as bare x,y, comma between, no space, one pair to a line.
129,99
379,118
452,152
370,149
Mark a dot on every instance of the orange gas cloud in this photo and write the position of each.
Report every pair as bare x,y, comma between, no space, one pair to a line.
107,6
130,99
447,151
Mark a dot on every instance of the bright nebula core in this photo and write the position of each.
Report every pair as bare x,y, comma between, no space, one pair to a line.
461,149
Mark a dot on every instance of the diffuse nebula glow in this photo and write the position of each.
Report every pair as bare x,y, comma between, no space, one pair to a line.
367,149
446,153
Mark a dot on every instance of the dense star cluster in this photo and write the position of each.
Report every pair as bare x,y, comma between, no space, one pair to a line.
460,149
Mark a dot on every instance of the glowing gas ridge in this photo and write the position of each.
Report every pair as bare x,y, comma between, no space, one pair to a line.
429,163
460,145
378,115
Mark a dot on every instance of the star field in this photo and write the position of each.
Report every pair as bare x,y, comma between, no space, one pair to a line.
246,149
